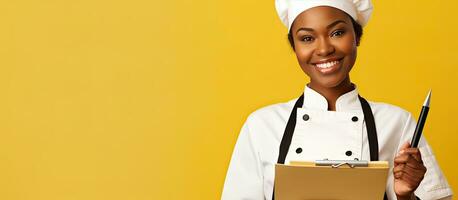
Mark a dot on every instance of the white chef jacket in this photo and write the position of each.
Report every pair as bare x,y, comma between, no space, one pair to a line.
326,134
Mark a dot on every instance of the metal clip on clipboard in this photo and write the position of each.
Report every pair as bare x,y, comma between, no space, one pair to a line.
339,163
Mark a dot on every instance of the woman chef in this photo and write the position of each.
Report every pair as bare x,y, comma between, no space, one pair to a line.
330,120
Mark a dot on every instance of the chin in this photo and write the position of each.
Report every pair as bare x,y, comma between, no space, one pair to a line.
330,82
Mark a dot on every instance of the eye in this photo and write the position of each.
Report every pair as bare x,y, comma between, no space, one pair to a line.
337,33
307,38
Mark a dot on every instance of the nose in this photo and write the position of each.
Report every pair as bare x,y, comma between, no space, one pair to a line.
324,47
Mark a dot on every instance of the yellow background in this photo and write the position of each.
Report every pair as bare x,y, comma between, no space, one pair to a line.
144,99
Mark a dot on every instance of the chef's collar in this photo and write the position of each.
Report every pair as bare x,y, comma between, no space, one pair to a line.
346,102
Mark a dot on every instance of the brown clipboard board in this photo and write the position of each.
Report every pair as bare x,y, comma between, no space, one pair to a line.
307,181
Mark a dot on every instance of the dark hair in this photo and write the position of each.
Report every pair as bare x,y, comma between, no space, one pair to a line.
357,28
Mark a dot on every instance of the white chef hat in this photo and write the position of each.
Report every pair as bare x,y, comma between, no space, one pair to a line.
288,10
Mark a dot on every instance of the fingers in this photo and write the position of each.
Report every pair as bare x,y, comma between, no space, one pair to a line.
412,177
402,169
412,181
408,161
409,169
408,166
405,146
413,152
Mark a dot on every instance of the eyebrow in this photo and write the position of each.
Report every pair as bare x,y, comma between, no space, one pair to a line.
328,26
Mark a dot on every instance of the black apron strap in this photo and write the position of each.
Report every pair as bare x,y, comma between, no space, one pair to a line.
371,130
291,124
289,131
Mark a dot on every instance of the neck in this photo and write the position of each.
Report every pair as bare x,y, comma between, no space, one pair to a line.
333,93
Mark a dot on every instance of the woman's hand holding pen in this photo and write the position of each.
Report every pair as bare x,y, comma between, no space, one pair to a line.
408,171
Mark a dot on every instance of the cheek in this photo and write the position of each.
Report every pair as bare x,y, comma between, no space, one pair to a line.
348,45
350,59
352,52
348,49
303,55
303,58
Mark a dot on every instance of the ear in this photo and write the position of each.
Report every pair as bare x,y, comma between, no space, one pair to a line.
291,41
357,40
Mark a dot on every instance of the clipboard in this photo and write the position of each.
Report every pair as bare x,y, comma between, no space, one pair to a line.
331,180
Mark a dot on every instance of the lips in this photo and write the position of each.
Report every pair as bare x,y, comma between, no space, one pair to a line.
328,66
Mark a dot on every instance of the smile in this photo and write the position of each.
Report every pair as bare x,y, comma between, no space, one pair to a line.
327,64
328,67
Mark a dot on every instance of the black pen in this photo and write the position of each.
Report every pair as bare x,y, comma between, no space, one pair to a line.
421,122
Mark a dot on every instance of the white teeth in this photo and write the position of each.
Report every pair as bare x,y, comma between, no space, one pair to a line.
327,65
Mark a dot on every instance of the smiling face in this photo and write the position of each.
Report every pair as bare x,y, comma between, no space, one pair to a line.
325,46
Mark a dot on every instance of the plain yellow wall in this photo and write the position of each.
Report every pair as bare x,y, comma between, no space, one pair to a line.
145,99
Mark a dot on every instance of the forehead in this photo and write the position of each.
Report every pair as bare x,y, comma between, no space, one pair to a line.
320,16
